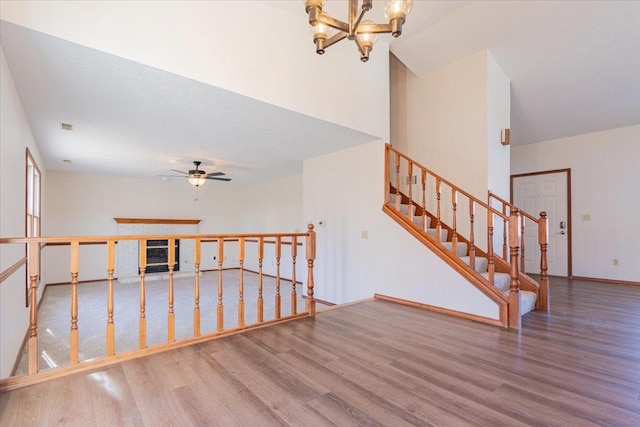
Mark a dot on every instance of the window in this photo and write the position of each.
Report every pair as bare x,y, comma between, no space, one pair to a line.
33,211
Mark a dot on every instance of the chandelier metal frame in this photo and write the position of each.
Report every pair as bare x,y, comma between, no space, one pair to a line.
363,33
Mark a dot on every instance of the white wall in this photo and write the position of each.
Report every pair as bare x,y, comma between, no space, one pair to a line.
266,52
272,207
447,122
86,205
15,138
345,190
498,118
605,183
80,204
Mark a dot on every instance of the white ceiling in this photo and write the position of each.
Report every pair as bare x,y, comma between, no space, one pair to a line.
574,67
134,120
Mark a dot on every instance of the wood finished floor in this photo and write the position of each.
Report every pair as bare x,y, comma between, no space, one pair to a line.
375,363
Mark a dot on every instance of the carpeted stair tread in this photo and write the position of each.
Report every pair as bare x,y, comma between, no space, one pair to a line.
527,301
501,281
480,263
461,248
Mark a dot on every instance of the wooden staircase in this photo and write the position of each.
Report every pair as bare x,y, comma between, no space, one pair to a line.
446,218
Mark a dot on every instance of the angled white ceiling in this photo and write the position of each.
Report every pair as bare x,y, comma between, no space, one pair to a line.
135,120
573,65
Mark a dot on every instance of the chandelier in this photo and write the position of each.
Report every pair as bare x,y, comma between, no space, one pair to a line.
364,33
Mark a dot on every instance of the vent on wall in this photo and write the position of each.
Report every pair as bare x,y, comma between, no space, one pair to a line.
66,126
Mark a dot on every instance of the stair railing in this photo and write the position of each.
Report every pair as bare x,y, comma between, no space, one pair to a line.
440,203
542,227
238,242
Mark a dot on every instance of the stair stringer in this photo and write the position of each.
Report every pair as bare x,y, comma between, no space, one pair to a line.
473,277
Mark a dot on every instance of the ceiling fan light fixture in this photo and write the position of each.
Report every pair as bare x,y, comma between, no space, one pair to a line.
197,180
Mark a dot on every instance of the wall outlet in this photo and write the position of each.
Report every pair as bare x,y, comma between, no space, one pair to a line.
616,262
586,217
364,234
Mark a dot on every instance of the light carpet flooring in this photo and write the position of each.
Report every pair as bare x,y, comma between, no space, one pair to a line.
54,318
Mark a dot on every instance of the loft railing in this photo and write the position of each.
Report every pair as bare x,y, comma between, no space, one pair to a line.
542,237
437,203
240,243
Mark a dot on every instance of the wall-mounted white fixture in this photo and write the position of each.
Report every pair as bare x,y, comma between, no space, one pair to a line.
505,136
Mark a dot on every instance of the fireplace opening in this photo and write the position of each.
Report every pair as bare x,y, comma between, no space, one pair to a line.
158,256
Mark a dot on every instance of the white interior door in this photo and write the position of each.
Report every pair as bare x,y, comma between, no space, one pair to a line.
545,192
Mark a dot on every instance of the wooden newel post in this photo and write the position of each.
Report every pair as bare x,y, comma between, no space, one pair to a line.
111,327
311,256
514,289
74,268
543,238
142,322
171,316
196,289
34,273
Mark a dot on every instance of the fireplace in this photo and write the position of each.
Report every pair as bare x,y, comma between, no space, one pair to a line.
158,256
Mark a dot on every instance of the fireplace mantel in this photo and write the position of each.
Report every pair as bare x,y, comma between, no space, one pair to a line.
156,221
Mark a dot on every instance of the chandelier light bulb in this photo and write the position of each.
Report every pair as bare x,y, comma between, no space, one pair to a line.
320,31
397,9
367,39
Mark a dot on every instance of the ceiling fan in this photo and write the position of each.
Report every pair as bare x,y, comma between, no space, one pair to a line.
198,177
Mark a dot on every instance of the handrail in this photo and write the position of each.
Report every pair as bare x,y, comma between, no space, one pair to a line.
505,203
34,254
12,269
543,239
460,232
444,181
106,238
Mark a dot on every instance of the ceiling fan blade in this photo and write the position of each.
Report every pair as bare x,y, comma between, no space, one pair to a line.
174,170
218,179
216,174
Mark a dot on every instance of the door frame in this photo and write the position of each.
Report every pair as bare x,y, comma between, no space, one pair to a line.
569,225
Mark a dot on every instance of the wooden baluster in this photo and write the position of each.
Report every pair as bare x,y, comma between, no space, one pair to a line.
196,289
472,246
543,238
423,176
241,283
504,234
220,306
171,317
142,324
491,261
311,256
454,221
387,174
294,295
111,332
398,182
260,300
410,191
75,264
514,288
278,255
522,248
438,219
34,274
